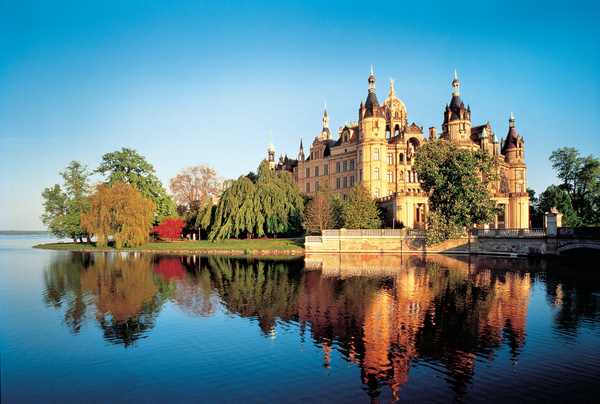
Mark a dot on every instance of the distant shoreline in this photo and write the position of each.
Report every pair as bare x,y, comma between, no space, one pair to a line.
25,232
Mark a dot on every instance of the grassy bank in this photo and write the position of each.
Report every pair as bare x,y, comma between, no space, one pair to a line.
245,247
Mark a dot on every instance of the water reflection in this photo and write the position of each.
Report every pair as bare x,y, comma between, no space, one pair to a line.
387,315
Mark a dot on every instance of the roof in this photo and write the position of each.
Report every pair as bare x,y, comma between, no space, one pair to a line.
371,100
511,139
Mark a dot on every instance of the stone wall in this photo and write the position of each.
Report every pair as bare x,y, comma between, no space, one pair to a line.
497,245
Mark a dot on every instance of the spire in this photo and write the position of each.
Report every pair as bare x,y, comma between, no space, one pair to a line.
371,82
455,85
511,121
494,138
271,147
301,148
325,118
484,134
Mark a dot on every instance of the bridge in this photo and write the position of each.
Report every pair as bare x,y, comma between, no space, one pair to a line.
479,241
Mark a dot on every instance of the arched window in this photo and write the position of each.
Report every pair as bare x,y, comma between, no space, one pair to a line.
396,130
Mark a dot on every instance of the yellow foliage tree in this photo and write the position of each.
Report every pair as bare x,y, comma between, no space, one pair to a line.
120,211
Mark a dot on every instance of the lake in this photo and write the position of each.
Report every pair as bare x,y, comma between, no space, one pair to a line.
125,327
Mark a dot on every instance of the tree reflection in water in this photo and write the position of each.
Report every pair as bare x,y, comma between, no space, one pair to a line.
383,314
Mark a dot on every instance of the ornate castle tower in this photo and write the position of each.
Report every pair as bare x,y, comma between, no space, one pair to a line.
457,118
513,148
395,114
271,151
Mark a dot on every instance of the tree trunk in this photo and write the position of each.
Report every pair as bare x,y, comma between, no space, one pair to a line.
89,239
74,239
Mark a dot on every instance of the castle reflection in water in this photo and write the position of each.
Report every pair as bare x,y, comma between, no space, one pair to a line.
383,313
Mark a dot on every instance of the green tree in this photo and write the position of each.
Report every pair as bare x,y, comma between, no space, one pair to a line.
458,181
272,205
323,211
63,209
554,196
360,210
120,211
580,180
131,168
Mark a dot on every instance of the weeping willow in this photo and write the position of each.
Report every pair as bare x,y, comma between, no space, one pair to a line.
270,206
120,211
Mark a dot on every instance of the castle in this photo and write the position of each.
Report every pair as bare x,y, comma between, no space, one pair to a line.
378,150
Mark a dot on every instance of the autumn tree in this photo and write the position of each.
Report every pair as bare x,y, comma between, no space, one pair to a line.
63,209
192,185
360,210
459,182
131,168
169,228
272,205
323,210
120,211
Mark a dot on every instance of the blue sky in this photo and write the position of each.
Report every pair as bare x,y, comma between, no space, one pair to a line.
193,82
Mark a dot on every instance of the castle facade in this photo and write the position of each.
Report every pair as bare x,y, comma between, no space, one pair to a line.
379,148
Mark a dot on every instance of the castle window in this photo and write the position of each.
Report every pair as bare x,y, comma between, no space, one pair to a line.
345,182
376,174
352,164
345,165
326,169
338,183
308,172
390,192
519,174
352,180
390,158
390,177
360,156
376,155
519,188
316,171
376,192
308,187
360,175
316,186
338,167
401,157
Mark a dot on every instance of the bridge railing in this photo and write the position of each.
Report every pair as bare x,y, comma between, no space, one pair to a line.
508,232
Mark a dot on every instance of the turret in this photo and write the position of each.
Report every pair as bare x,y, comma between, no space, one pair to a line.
271,151
513,148
457,118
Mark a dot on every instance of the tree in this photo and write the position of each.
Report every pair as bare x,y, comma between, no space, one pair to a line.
458,181
272,205
131,168
554,196
193,184
169,228
360,210
63,209
580,180
120,211
323,210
